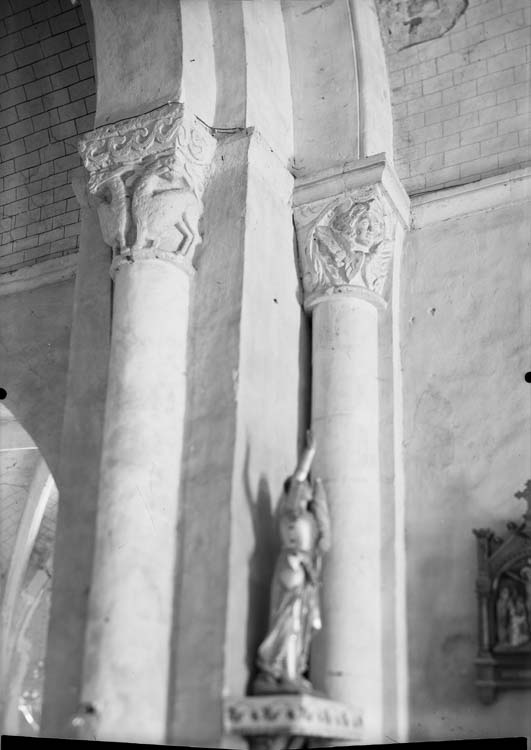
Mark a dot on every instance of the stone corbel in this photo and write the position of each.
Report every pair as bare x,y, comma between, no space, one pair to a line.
147,176
347,227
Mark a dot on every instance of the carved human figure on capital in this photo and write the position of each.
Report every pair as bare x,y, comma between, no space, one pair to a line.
349,245
304,522
349,237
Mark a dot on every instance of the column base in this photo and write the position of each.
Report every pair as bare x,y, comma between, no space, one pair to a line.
270,719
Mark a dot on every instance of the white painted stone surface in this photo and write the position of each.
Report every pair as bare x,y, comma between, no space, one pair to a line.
346,657
130,44
246,411
465,330
31,277
78,472
341,102
127,649
346,242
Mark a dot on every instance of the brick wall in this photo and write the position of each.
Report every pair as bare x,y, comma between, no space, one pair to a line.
460,105
46,101
461,102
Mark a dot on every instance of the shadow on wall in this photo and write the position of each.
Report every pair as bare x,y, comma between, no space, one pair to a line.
261,563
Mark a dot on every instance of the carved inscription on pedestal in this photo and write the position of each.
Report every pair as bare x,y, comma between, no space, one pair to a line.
291,715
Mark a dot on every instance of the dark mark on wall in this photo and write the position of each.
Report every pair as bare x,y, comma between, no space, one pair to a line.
409,22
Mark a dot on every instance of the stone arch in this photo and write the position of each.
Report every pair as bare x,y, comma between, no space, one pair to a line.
341,101
311,78
36,337
28,508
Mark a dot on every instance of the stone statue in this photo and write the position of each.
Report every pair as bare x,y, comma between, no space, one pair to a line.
511,617
525,573
503,606
518,632
294,609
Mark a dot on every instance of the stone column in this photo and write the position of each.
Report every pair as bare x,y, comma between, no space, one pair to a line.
147,177
348,226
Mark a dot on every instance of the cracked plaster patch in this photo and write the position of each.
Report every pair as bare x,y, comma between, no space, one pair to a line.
408,22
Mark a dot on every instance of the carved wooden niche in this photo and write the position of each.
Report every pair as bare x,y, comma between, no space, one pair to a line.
504,607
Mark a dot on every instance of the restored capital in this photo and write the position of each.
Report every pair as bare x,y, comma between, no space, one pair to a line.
347,226
147,177
348,246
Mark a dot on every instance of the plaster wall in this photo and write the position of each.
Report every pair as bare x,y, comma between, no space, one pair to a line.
34,344
201,576
465,348
246,342
130,44
78,474
271,413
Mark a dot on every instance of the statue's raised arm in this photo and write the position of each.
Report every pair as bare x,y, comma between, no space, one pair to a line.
305,461
322,517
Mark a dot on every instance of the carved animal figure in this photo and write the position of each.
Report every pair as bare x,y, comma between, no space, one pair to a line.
165,210
113,212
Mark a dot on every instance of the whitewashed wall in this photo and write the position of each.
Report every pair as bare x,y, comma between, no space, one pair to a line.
467,415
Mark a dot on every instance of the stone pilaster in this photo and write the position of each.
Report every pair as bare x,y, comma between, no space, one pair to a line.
147,177
348,225
78,471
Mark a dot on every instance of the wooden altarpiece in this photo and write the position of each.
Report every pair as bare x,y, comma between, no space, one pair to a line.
504,607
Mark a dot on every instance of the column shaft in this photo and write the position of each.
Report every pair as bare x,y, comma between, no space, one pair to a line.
346,658
131,598
147,176
348,230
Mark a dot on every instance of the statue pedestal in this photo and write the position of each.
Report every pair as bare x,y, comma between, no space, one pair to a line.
278,720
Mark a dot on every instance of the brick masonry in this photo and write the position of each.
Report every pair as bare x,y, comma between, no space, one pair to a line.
47,100
461,102
460,106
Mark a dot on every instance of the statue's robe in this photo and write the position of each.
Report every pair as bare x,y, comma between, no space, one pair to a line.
294,616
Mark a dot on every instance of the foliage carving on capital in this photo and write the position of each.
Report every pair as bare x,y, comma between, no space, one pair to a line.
147,176
347,245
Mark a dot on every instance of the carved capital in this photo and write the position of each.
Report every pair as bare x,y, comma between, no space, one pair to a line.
147,175
346,245
350,219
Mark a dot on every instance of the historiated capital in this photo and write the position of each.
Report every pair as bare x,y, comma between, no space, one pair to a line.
346,240
147,176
